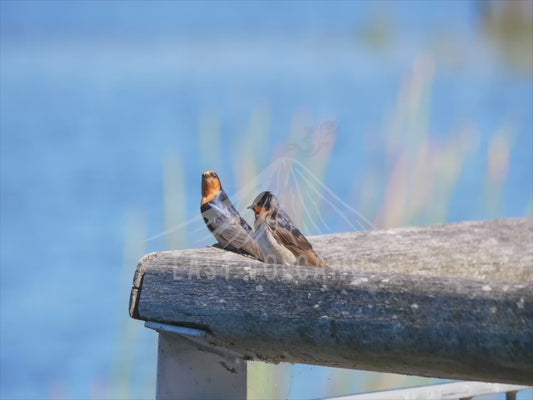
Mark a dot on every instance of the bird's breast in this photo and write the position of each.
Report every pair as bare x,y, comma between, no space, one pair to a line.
274,251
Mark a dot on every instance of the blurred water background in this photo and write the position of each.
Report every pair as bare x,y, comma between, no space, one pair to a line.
407,112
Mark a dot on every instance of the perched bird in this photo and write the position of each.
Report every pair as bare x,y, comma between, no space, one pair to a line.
223,220
279,238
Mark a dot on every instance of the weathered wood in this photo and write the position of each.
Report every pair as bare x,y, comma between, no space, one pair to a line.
401,300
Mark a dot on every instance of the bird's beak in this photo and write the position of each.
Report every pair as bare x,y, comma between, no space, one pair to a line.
250,207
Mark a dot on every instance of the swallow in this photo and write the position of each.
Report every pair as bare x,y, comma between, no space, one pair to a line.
223,220
281,241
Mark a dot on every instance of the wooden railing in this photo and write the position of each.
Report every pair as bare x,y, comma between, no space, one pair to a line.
449,301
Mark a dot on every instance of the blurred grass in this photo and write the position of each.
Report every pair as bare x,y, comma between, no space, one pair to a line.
209,141
499,153
130,348
268,381
175,201
424,170
250,149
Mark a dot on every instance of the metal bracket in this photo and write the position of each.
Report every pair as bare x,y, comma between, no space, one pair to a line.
180,330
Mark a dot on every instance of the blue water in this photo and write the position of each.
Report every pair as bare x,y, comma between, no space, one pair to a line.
95,95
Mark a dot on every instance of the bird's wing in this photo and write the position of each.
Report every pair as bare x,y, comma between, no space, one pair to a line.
286,233
233,234
229,228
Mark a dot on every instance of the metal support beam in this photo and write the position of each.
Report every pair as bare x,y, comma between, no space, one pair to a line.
444,391
188,367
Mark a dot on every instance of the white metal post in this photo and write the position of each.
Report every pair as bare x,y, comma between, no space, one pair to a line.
190,368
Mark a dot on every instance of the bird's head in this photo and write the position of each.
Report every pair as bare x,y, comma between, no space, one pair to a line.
211,186
264,204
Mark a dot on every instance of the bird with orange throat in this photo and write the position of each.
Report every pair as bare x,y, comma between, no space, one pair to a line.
223,220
